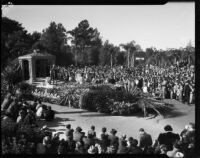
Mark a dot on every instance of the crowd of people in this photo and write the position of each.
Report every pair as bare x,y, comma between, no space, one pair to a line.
77,141
20,111
174,82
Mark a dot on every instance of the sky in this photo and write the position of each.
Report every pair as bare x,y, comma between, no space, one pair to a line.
161,26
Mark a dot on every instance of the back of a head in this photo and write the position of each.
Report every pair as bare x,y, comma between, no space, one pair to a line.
104,129
93,127
68,126
168,128
141,130
134,142
90,135
123,143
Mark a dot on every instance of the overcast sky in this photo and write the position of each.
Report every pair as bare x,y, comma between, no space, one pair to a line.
161,26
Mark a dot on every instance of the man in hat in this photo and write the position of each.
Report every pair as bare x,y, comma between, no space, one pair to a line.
168,138
145,139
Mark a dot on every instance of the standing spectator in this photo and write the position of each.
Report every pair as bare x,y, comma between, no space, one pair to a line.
52,73
187,92
145,139
68,132
92,131
168,138
78,135
113,139
104,139
191,93
164,83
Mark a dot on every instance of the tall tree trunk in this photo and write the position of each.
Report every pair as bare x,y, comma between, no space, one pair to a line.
128,57
76,57
111,61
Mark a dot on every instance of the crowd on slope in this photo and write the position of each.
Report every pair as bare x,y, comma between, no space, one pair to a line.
174,82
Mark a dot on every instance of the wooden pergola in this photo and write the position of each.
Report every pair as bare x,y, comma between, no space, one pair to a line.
32,58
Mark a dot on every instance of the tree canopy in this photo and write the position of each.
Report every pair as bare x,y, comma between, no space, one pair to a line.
86,46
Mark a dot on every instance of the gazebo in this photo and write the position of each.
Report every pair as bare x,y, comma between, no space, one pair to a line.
35,65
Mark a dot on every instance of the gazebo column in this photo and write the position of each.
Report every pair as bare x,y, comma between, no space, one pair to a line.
31,70
22,67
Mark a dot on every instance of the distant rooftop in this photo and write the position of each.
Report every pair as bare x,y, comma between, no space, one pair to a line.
37,54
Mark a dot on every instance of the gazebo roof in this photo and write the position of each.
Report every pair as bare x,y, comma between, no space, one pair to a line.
37,55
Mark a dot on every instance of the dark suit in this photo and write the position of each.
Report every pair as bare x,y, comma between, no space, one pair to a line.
69,133
104,141
187,93
168,139
145,140
113,140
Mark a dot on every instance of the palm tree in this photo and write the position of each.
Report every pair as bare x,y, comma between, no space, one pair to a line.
130,48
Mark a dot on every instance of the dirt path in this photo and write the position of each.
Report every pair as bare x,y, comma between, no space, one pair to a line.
129,125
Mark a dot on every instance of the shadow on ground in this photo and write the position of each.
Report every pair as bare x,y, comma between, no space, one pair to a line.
174,114
71,112
96,115
57,122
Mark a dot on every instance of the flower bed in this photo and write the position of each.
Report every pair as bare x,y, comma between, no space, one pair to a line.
106,100
63,95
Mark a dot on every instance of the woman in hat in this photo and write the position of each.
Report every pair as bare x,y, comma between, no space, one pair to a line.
113,138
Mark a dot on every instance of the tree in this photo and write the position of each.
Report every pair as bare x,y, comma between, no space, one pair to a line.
15,40
130,47
54,41
84,37
106,53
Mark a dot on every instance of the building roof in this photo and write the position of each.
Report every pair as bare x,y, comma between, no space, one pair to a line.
37,56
